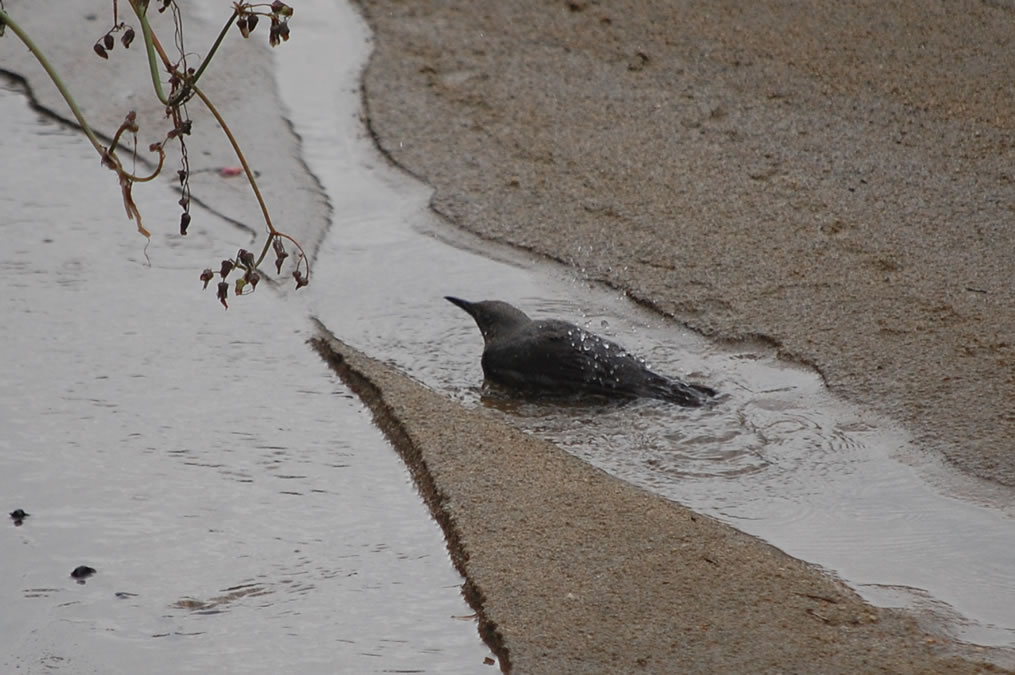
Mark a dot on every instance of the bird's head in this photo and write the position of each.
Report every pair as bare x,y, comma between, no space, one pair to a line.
494,318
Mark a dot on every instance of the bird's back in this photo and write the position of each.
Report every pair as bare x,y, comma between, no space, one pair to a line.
552,356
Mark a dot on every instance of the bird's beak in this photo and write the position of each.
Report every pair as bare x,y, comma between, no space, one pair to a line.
464,304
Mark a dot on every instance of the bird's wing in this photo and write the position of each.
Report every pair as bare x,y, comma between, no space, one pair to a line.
559,355
562,358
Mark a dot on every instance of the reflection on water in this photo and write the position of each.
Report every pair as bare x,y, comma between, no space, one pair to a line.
778,458
241,511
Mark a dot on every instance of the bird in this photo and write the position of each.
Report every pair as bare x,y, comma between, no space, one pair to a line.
555,357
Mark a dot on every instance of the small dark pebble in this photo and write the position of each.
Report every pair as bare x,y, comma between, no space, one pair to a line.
82,572
18,516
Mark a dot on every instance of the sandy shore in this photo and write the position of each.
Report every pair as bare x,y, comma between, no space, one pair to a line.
835,180
572,570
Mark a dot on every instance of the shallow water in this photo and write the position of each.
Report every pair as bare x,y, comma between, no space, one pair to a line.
242,511
779,458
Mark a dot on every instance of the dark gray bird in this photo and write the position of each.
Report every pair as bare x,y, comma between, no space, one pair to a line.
550,356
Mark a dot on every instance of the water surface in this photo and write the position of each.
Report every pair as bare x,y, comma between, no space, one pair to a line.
242,512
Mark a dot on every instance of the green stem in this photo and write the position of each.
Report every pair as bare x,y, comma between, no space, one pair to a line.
146,31
239,155
150,46
61,87
214,48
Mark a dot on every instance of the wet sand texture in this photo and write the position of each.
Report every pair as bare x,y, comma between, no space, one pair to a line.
572,570
833,177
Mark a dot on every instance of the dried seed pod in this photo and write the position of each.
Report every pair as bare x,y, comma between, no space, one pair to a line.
280,254
283,31
253,278
281,9
246,257
300,281
251,22
227,267
127,38
100,50
240,283
241,23
130,122
207,276
108,41
223,293
184,224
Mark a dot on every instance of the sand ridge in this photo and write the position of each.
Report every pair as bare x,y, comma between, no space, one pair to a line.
572,570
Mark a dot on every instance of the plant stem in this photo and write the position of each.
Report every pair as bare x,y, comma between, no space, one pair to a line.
239,154
150,46
190,82
214,48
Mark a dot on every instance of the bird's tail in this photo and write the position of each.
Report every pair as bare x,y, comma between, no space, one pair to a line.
682,393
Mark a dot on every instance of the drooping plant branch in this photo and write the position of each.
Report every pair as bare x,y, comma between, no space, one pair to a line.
183,81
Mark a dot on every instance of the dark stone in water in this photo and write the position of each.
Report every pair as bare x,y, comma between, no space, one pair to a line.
18,516
82,572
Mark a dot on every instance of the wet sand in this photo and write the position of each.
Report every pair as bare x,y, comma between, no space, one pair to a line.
834,180
572,570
